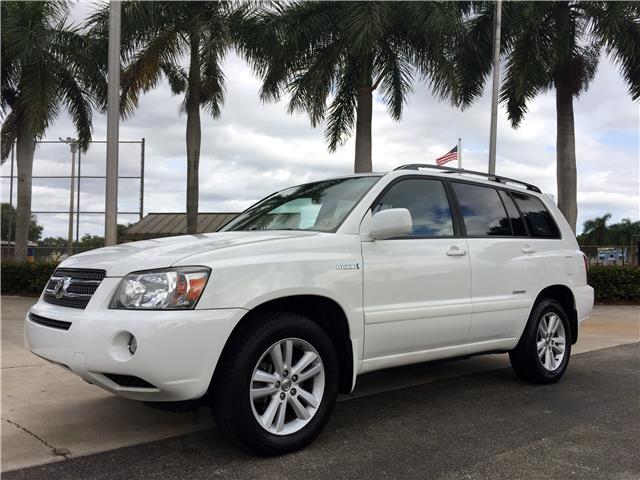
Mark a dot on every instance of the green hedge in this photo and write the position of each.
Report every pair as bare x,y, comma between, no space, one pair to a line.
615,283
25,278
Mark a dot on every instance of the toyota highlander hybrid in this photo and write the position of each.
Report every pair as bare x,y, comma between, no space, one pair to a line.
270,318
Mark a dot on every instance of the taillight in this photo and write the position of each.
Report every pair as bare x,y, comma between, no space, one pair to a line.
586,262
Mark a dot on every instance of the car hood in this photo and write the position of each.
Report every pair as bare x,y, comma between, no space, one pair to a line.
164,252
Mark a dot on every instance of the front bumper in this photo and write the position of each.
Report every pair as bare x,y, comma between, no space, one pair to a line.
177,350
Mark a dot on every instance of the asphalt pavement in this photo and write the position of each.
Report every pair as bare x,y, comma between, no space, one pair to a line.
486,425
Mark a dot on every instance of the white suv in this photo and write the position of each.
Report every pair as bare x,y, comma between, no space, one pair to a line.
269,319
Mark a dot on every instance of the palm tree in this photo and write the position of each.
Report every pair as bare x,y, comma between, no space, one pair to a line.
625,231
156,38
42,73
595,230
330,57
551,45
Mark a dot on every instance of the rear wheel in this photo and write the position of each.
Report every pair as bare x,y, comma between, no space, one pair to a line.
543,352
275,389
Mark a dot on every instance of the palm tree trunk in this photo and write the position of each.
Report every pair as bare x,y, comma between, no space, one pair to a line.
364,114
24,156
193,136
566,150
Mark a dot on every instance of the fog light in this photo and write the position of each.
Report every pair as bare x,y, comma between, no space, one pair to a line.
133,345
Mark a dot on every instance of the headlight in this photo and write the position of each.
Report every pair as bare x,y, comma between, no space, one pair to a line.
174,288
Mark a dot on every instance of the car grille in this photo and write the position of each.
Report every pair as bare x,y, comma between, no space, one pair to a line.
72,288
128,381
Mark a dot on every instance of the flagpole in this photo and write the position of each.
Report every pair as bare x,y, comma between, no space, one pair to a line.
459,154
113,139
494,91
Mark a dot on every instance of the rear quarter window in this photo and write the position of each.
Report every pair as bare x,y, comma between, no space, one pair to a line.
538,219
517,224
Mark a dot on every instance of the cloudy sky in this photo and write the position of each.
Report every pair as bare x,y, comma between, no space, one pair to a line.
255,149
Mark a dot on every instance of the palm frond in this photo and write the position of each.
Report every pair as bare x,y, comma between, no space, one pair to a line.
90,68
617,26
342,111
365,23
78,106
397,78
583,66
176,76
212,85
464,77
143,73
10,126
311,81
529,65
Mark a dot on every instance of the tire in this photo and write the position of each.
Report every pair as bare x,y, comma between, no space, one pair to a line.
248,368
546,365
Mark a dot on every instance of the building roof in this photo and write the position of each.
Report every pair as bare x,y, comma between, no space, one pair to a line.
155,225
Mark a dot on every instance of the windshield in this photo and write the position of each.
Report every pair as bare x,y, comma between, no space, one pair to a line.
320,206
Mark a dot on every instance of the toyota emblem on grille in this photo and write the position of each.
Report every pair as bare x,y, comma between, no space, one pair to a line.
62,286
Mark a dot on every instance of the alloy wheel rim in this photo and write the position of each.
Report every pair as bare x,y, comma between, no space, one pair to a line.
287,386
551,341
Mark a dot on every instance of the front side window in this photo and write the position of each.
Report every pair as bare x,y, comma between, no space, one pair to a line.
482,210
536,216
320,206
427,203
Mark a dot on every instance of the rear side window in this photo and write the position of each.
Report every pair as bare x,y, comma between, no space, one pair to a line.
517,225
427,202
538,218
482,210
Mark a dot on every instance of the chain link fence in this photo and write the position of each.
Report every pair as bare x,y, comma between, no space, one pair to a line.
611,254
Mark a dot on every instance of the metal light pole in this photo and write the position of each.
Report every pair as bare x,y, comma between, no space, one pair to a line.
495,89
113,124
73,145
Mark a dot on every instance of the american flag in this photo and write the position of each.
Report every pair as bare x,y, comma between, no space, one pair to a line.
447,157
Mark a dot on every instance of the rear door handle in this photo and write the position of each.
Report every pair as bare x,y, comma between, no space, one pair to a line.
455,251
528,249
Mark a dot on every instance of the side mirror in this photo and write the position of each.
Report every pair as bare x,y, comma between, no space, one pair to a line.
393,222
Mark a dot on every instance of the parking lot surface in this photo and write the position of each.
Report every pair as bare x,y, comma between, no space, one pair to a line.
485,425
49,415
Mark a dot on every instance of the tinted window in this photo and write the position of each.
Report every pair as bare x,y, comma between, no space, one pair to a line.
517,225
536,215
482,210
427,202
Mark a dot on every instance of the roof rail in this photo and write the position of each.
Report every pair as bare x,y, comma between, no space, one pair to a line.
495,178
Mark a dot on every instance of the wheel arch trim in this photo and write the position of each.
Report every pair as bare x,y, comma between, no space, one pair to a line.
563,295
322,310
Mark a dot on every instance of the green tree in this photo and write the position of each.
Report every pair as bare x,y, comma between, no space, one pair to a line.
551,45
596,232
329,58
43,72
8,224
58,246
157,37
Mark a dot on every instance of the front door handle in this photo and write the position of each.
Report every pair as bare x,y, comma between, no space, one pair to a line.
455,251
528,249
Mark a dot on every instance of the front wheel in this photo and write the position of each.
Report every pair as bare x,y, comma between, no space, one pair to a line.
276,387
543,352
